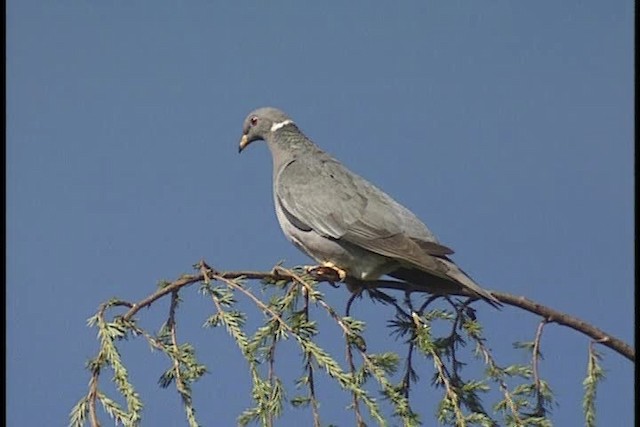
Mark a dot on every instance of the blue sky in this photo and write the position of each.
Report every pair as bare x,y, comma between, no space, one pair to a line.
506,126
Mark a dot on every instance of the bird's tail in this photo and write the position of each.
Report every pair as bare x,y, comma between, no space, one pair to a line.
457,274
456,278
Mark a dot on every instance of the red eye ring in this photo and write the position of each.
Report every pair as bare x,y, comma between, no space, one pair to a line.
253,120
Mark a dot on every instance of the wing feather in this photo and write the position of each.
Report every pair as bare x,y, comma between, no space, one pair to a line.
322,195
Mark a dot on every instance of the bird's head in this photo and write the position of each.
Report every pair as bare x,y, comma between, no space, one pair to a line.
260,124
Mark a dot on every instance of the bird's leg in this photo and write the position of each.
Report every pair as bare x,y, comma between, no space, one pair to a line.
327,271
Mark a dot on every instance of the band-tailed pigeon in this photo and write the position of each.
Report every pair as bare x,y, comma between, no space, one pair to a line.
341,220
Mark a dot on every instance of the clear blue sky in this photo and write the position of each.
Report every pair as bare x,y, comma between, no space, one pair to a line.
506,126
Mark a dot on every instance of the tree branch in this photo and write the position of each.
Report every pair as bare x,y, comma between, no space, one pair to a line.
547,313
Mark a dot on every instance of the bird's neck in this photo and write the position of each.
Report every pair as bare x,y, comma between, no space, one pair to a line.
289,143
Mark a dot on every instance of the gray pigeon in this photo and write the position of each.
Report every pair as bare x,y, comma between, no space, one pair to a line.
344,222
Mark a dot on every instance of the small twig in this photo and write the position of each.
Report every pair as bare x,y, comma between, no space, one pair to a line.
324,305
452,338
387,299
350,301
95,372
425,304
352,369
172,287
312,395
93,397
271,357
489,360
406,379
312,387
349,357
171,323
459,307
444,376
253,298
536,376
271,374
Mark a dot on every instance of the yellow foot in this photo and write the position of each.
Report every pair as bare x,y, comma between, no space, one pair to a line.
327,271
341,273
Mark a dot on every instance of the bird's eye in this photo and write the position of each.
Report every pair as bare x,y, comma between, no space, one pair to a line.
253,120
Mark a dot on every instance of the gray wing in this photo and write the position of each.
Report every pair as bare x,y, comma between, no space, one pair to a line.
321,194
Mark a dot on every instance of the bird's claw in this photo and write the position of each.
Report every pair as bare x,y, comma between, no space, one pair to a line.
327,272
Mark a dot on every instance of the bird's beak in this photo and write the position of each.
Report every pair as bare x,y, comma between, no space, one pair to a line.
244,141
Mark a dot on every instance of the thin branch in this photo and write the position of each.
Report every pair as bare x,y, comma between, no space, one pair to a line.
451,394
455,365
491,362
312,387
551,315
352,370
93,397
172,287
171,323
536,375
406,379
350,301
253,298
324,305
352,366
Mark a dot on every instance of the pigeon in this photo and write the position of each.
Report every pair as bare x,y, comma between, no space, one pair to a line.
344,222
